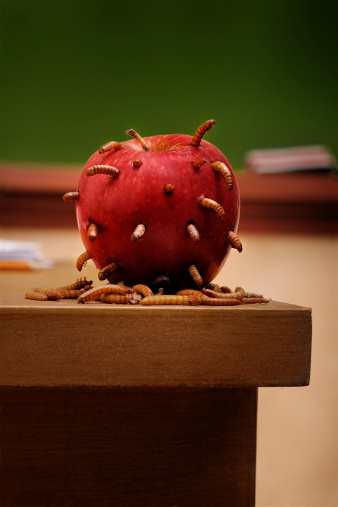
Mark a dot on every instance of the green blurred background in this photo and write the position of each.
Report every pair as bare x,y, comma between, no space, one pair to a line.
77,73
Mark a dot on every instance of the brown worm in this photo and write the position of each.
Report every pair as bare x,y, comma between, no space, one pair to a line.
32,294
137,163
193,232
170,300
238,294
71,293
71,196
82,260
234,241
195,275
197,164
112,145
189,292
220,302
105,272
135,135
143,289
214,206
120,299
169,188
246,300
79,284
92,231
253,295
102,289
225,172
52,294
225,289
103,169
138,233
197,137
213,286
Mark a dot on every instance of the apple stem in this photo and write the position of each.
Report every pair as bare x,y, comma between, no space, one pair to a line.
195,275
138,233
135,135
113,145
234,241
103,169
214,206
107,271
71,196
224,172
193,232
92,232
197,138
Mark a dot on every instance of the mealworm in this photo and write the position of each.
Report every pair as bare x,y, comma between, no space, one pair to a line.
225,289
197,137
253,295
32,294
214,206
112,145
82,260
234,241
238,294
197,164
137,163
246,300
220,302
193,271
135,135
120,299
103,169
138,233
163,279
101,289
170,300
193,232
189,292
143,289
71,196
51,294
213,286
92,231
79,284
169,188
107,271
72,293
224,172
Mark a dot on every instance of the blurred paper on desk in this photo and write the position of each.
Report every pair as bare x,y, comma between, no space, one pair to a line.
22,255
302,158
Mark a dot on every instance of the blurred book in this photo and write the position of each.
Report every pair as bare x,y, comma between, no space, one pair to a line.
282,160
22,255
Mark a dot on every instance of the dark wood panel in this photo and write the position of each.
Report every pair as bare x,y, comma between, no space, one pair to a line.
132,448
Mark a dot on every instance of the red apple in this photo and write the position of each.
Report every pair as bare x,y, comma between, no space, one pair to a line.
141,208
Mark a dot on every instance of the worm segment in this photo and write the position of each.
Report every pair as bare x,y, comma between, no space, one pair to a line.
113,145
102,289
224,172
195,275
71,196
137,163
234,241
107,271
103,169
92,231
138,233
197,138
197,164
79,284
214,206
32,294
143,289
51,294
220,302
193,232
135,135
170,300
82,260
120,298
169,188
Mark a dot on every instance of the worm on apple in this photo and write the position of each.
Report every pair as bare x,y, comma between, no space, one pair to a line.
193,232
71,196
225,172
111,146
234,241
214,206
197,164
82,260
92,231
195,275
103,169
105,272
205,127
138,233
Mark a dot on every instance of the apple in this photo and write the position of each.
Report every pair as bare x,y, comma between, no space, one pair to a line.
164,207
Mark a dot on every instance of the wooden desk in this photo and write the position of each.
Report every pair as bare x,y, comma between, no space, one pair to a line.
130,406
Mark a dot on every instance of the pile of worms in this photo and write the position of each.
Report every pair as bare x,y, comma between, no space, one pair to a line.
211,295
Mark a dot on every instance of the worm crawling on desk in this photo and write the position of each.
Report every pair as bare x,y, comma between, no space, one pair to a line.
102,289
170,300
52,294
79,284
120,299
144,290
32,294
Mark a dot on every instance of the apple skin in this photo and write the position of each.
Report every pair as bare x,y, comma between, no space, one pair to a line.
137,195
